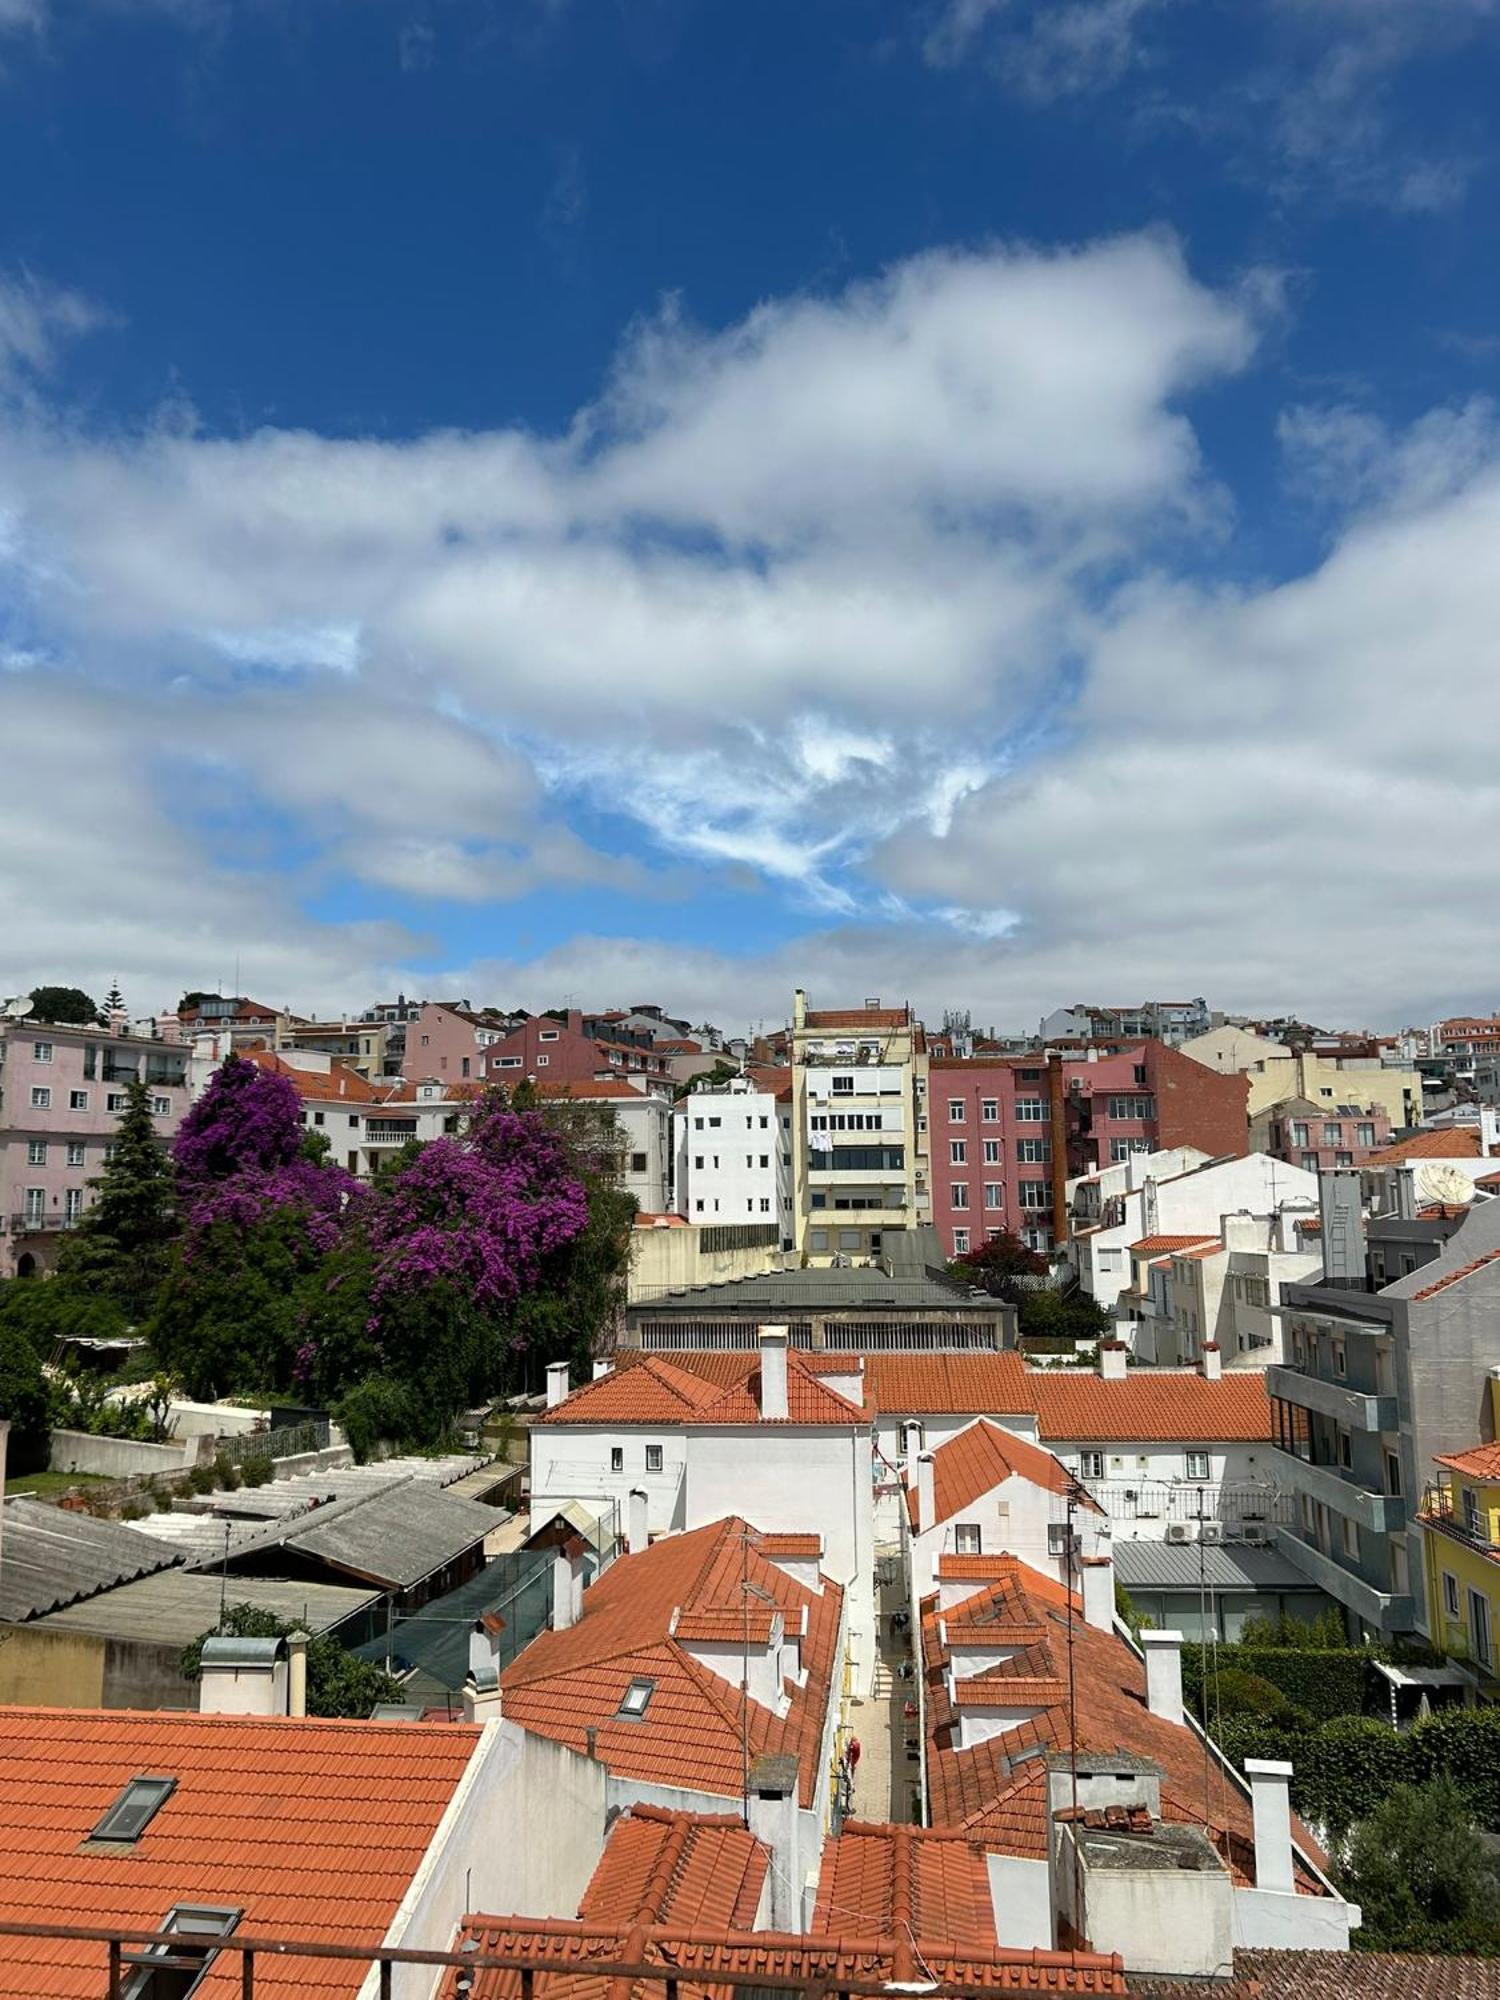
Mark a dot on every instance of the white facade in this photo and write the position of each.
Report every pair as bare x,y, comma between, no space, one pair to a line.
1185,1204
1017,1517
732,1158
1229,1295
645,1121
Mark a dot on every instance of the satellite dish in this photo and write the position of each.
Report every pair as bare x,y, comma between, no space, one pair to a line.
1441,1184
17,1009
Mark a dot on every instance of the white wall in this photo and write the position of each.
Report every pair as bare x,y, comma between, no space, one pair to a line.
1012,1518
1021,1900
573,1462
476,1862
1270,1920
1158,1471
646,1125
731,1185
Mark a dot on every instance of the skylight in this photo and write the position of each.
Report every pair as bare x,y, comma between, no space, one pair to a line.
135,1808
636,1698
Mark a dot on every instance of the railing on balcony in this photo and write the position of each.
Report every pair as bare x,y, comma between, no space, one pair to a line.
33,1222
1437,1512
389,1131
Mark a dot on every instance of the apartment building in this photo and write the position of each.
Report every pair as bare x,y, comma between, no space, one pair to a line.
644,1119
1275,1073
1458,1526
1321,1137
451,1041
62,1090
732,1156
860,1157
1380,1380
568,1047
1172,1021
1224,1292
1009,1133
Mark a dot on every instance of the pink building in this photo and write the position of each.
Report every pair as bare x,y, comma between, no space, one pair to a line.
61,1092
553,1048
1321,1137
449,1043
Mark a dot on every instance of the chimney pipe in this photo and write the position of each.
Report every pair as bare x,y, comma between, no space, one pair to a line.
1271,1809
296,1673
482,1698
566,1594
1097,1576
1112,1360
926,1492
773,1395
637,1523
601,1369
1163,1652
557,1383
1211,1361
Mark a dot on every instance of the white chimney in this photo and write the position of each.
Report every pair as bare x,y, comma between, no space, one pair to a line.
926,1492
1211,1361
637,1523
296,1673
1112,1360
481,1698
1270,1805
242,1676
1097,1574
603,1368
773,1346
567,1585
557,1383
1163,1652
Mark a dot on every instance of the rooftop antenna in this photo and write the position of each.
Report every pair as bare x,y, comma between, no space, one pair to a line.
224,1581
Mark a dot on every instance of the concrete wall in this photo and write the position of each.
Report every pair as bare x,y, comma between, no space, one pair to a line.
51,1669
1162,1920
666,1258
572,1462
1021,1900
478,1860
1268,1920
123,1458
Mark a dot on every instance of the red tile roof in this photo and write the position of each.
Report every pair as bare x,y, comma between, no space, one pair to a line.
1155,1246
337,1084
1481,1461
983,1457
911,1884
313,1829
703,1872
689,1736
1457,1142
788,1548
654,1390
1457,1277
859,1017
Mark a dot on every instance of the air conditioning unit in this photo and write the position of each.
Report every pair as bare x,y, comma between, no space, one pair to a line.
1211,1531
1181,1531
1257,1531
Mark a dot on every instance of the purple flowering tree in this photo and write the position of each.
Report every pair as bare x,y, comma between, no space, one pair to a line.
248,1120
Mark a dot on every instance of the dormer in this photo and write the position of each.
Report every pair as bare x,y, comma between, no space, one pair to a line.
742,1646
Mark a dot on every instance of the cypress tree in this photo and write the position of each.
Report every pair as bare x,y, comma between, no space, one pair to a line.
121,1244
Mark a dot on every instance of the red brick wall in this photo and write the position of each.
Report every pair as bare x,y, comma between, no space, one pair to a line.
1196,1106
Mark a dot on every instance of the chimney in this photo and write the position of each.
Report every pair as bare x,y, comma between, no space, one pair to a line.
773,1346
926,1493
637,1523
484,1645
603,1368
1112,1360
1269,1804
1210,1361
482,1698
557,1383
243,1676
1163,1652
1343,1230
296,1673
567,1584
1405,1179
1097,1575
771,1814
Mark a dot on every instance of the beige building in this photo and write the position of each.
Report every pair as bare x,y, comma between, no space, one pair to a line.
860,1150
1276,1073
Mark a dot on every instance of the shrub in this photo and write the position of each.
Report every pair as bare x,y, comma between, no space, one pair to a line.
184,1487
1422,1875
226,1472
1462,1744
201,1479
1235,1691
257,1471
1325,1681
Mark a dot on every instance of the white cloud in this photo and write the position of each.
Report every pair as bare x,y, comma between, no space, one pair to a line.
1059,48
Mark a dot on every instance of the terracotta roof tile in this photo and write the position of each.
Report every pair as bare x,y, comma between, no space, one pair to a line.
1482,1461
314,1829
1153,1246
912,1884
1457,1277
1456,1142
689,1735
983,1457
703,1872
657,1391
337,1084
859,1017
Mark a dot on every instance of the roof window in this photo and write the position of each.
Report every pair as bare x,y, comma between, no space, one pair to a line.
175,1968
135,1808
637,1699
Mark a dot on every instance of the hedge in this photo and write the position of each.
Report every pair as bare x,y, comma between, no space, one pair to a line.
1325,1683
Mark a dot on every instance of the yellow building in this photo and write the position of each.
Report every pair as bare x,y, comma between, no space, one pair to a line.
1275,1073
1460,1525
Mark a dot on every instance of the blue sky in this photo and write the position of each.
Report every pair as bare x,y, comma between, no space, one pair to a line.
984,502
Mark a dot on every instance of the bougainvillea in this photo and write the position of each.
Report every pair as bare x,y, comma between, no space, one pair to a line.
318,1195
248,1120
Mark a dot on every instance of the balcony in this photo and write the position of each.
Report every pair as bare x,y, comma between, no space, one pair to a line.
1382,1610
1437,1513
1381,1513
1355,1409
29,1224
389,1132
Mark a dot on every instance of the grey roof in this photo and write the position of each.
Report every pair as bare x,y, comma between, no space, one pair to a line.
393,1537
833,1289
50,1556
1221,1565
177,1606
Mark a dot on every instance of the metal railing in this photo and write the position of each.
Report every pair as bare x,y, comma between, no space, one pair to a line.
1437,1512
123,1952
26,1223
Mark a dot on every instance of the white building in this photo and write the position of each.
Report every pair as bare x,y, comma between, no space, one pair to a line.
645,1120
732,1157
670,1450
1224,1291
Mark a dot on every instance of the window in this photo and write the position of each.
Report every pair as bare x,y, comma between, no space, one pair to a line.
543,1061
1029,1075
966,1538
424,1041
765,1160
698,1162
78,1100
1350,1538
41,1097
1393,1472
1197,1464
1310,1162
547,1034
1035,1151
843,1086
698,1204
318,1118
959,1194
989,1110
73,1204
1131,1107
75,1152
1333,1134
653,1458
114,1100
958,1152
1473,1518
955,1111
36,1152
1091,1465
41,1052
617,1458
1346,1450
464,1066
638,1163
1031,1110
1479,1627
161,1107
992,1152
1364,1135
1450,1593
1059,1539
135,1808
1340,1364
994,1194
174,1968
960,1242
1343,1159
1034,1194
1299,1132
636,1700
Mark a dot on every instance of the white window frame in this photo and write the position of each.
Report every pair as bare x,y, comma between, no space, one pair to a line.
1199,1465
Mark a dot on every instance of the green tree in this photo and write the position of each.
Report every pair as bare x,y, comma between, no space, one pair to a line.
68,1006
998,1266
339,1683
119,1249
23,1400
1419,1870
1046,1313
230,1312
114,1001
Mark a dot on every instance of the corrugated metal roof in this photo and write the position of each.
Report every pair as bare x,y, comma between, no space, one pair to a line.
832,1289
50,1556
1222,1565
175,1607
394,1537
